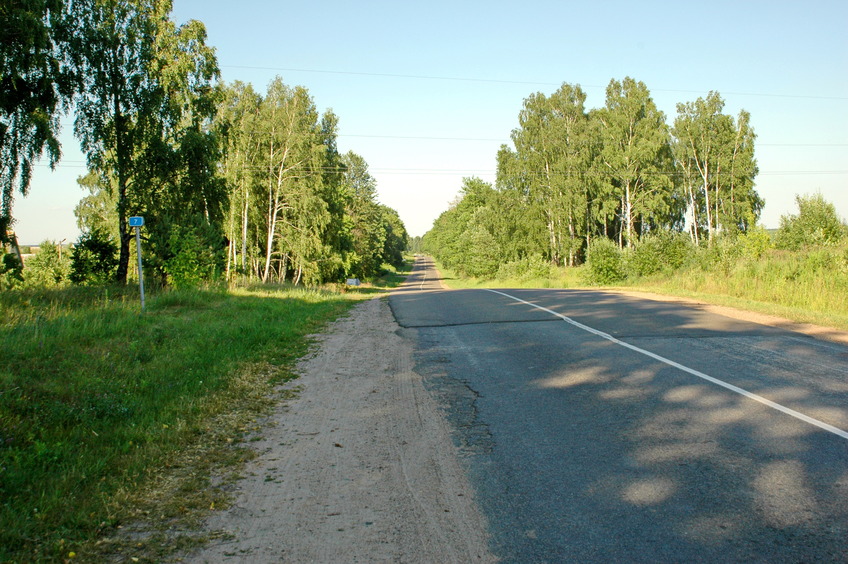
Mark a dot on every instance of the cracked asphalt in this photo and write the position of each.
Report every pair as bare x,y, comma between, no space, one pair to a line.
581,449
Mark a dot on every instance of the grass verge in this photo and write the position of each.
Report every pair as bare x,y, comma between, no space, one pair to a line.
109,416
781,285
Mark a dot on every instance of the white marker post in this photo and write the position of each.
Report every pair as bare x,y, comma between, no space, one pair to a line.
137,222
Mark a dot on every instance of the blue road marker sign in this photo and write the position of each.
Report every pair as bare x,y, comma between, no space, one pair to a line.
136,221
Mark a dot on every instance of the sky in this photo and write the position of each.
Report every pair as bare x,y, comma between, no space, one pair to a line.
427,92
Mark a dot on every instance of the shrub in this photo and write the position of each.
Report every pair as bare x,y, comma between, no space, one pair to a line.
755,242
660,252
48,267
816,224
480,253
534,266
94,260
10,270
192,261
605,262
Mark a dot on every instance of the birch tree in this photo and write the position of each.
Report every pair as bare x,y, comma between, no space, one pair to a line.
716,152
35,89
550,159
143,99
293,209
238,120
635,156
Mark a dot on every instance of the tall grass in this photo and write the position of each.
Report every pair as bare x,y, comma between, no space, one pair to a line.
96,397
810,285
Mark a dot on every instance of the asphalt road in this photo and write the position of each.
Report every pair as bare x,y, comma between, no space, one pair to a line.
604,428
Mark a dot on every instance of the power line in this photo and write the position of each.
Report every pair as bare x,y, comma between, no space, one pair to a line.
525,82
490,172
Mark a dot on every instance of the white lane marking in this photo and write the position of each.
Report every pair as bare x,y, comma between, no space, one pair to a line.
806,418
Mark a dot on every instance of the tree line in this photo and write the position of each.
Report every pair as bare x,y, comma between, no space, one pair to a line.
617,173
230,181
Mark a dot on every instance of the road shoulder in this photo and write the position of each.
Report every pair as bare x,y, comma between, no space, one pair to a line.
359,468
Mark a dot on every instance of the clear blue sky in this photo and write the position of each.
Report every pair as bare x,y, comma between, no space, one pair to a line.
427,91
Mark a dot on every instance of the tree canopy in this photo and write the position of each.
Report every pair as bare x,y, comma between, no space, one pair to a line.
229,180
618,173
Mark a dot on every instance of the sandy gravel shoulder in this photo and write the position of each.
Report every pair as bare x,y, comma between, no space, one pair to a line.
359,468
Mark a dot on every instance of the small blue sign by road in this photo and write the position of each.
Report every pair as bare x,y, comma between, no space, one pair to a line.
136,221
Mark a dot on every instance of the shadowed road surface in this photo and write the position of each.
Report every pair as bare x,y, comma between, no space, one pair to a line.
605,428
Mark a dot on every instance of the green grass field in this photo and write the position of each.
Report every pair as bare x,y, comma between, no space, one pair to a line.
99,401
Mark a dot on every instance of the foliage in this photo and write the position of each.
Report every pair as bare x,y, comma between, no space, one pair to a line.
98,211
663,251
97,401
222,165
49,267
35,88
617,173
527,268
634,154
145,95
298,210
94,258
549,166
816,223
11,270
192,258
605,262
809,285
715,155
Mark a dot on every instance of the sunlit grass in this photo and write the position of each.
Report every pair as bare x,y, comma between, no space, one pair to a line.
808,287
561,278
97,398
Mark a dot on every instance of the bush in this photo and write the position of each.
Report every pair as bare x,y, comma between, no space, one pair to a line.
94,260
49,266
525,269
816,224
10,270
193,260
480,253
755,242
605,262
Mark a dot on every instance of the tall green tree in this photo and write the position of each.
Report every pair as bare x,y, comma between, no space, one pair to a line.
635,157
551,157
364,225
35,88
143,99
292,150
241,131
715,155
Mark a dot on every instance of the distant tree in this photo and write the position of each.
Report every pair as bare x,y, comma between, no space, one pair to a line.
816,223
397,238
365,227
461,237
98,210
